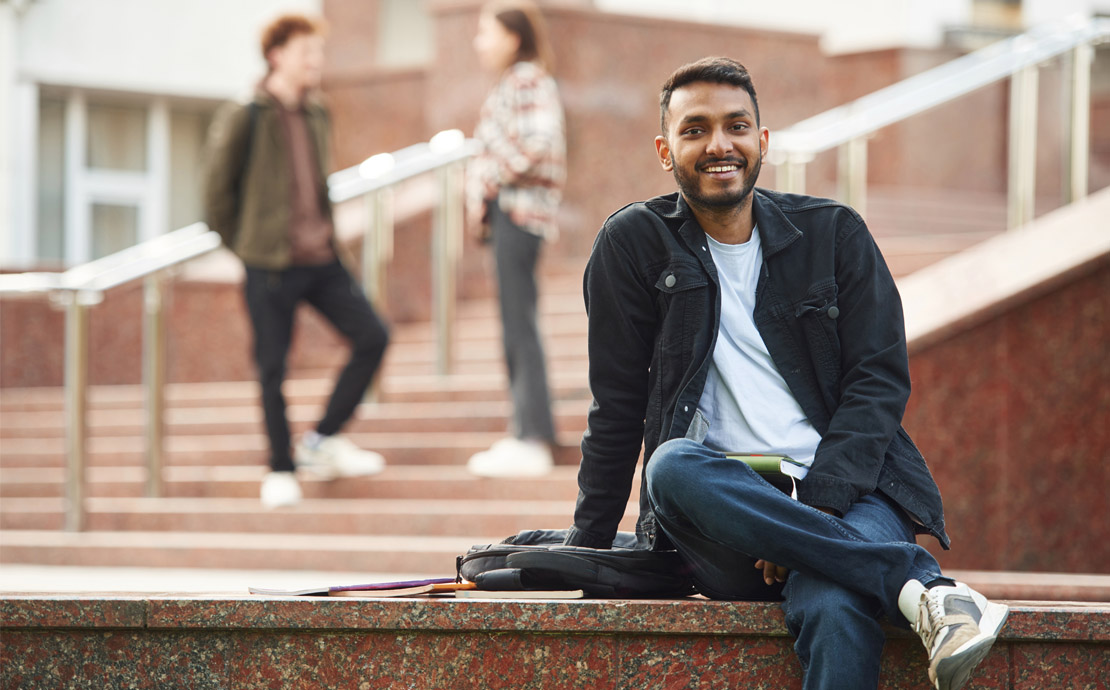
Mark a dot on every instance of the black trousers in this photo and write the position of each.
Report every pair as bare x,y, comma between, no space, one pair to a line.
272,298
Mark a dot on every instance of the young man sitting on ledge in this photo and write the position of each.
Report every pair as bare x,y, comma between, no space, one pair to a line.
728,318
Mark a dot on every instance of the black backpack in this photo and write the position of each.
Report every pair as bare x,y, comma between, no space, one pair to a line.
537,560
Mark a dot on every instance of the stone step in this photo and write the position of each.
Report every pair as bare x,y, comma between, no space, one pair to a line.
332,516
469,353
404,448
239,550
483,326
303,389
417,482
489,415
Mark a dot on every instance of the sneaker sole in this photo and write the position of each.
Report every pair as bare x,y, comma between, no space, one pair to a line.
328,471
954,672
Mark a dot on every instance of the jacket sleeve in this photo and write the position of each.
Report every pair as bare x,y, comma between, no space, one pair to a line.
875,379
622,324
224,165
533,134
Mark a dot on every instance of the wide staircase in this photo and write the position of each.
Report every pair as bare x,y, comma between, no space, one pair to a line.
413,518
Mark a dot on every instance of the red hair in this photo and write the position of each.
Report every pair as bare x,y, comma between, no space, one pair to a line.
279,32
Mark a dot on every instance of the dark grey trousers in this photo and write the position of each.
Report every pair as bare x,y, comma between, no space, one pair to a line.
517,252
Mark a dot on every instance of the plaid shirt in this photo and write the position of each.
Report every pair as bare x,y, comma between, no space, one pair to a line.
523,163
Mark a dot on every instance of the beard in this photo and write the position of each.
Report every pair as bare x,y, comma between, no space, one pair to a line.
689,183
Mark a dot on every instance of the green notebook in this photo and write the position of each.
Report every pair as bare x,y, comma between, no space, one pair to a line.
770,467
764,464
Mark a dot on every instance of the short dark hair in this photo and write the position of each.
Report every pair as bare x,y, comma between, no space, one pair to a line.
282,29
715,70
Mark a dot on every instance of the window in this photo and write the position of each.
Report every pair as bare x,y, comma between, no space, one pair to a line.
115,170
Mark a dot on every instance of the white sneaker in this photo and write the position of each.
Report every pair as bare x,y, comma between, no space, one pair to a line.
280,490
958,626
335,456
512,457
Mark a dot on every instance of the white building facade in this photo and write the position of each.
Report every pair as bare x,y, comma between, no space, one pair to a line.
852,26
105,104
104,109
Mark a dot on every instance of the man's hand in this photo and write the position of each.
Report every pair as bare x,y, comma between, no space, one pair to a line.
771,573
476,222
776,573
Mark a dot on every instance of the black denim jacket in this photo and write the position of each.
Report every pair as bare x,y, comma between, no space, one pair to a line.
829,313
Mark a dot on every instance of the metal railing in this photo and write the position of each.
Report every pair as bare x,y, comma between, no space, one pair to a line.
83,286
847,127
374,180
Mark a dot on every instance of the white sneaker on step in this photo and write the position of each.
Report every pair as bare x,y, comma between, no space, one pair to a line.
280,490
335,456
512,457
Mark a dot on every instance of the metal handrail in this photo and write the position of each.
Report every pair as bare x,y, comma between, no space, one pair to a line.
83,286
388,169
373,180
132,263
1017,58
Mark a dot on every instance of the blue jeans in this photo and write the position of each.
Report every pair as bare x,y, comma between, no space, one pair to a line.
845,572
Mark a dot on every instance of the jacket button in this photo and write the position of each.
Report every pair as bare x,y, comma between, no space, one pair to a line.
670,281
833,312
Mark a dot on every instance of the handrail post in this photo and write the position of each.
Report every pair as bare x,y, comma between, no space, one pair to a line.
1079,123
377,243
1022,179
154,380
793,174
445,249
76,407
851,174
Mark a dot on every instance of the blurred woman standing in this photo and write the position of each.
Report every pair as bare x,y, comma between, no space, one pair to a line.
513,191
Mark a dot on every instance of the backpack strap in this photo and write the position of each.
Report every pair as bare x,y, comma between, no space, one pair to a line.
252,124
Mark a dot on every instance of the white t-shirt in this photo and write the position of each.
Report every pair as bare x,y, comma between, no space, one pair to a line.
746,402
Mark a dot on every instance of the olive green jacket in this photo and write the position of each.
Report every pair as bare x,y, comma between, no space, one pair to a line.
247,201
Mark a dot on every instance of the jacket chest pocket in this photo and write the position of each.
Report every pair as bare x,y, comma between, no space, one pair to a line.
683,290
817,315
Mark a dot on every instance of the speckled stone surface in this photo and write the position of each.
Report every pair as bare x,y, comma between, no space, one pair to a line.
233,641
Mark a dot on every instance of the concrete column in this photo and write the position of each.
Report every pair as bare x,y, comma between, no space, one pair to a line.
156,209
8,135
78,232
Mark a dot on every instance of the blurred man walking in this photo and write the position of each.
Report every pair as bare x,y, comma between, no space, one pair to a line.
266,194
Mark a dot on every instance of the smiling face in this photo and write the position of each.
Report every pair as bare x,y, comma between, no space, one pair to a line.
713,145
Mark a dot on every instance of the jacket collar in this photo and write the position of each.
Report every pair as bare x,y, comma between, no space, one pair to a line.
262,96
776,232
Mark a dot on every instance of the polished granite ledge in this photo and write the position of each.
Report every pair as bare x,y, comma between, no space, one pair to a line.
247,642
1087,622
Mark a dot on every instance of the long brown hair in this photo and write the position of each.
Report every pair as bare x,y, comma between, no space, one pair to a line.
523,18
